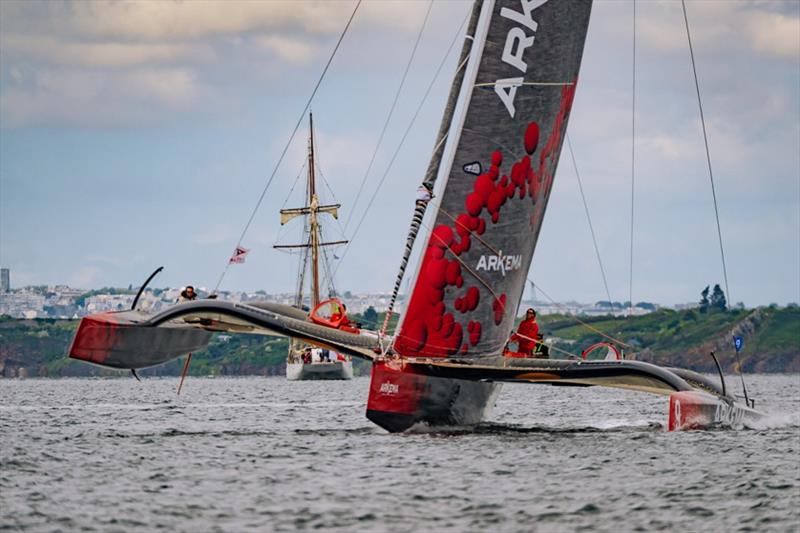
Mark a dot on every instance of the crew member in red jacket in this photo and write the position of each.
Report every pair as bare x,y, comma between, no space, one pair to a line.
527,333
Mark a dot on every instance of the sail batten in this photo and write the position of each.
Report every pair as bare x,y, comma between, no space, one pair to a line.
503,152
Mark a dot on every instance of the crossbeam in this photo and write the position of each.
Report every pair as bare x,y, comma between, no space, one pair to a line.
332,243
289,214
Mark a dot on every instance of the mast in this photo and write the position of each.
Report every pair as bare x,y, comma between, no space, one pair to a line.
313,203
429,181
311,211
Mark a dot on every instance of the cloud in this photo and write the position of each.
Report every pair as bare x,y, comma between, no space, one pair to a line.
716,27
774,34
168,20
77,96
171,21
671,147
287,48
82,63
55,51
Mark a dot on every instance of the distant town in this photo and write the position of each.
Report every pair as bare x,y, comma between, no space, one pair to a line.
62,301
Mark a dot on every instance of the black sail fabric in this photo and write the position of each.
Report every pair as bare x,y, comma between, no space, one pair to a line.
479,250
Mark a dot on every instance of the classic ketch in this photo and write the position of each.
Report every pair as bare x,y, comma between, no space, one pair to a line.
514,87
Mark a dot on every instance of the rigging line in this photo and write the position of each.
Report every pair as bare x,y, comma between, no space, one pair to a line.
495,251
711,179
302,264
405,135
588,218
518,154
333,195
282,231
296,180
527,84
586,324
326,264
550,347
633,157
291,137
391,113
325,181
461,261
708,154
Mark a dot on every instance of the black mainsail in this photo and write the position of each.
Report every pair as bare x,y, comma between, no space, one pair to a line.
517,92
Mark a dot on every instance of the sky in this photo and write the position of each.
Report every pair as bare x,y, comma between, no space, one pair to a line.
140,134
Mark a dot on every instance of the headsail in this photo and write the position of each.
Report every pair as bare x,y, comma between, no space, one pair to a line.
518,93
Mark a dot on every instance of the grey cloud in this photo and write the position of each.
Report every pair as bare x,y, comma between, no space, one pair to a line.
88,97
49,50
94,62
769,29
162,21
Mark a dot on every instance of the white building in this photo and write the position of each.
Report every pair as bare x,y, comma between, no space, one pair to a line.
108,302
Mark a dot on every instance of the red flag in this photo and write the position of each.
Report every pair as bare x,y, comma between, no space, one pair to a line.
238,255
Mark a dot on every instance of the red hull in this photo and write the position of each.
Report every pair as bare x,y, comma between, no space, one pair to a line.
118,340
697,410
400,398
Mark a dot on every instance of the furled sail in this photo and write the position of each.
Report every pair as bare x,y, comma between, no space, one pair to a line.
517,93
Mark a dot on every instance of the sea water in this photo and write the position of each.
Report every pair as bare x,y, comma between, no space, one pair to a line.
234,454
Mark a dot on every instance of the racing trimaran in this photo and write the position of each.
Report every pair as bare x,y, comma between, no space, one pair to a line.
498,147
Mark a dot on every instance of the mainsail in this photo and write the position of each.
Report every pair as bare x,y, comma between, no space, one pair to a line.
517,94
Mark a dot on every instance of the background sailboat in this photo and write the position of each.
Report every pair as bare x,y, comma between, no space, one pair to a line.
305,361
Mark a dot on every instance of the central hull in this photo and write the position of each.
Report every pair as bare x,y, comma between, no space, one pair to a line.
399,398
319,371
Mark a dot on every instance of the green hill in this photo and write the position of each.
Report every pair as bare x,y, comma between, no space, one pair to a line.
685,338
681,338
37,348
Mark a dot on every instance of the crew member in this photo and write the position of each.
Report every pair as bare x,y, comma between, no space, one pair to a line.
527,333
188,294
542,351
340,315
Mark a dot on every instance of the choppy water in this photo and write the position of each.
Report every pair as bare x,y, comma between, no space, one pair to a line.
266,454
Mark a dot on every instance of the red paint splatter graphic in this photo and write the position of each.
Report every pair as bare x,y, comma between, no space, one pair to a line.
430,329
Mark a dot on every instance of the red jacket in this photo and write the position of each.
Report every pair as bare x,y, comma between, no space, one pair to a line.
526,335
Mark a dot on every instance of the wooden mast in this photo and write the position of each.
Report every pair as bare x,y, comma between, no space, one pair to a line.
313,204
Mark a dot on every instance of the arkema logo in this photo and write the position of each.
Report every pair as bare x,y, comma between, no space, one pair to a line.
389,388
518,39
499,263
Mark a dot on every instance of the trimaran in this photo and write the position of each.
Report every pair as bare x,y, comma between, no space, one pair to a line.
498,147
